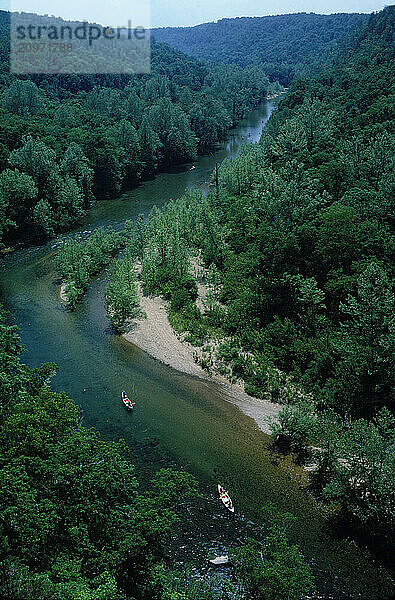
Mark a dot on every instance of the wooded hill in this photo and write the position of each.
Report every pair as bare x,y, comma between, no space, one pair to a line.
284,45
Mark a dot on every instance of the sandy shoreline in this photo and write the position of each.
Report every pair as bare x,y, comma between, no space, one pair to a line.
156,336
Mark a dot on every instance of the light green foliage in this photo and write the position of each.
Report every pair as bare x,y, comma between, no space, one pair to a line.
327,431
309,300
295,424
165,258
291,140
242,172
317,122
122,300
213,282
77,262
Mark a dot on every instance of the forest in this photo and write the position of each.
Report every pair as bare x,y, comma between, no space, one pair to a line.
296,248
69,140
294,244
283,45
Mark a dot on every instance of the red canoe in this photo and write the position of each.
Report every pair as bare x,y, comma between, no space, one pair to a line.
128,404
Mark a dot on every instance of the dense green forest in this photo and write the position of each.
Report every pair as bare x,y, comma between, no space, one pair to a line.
68,139
296,249
284,45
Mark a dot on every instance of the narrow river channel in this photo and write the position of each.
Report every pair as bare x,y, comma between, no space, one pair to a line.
179,420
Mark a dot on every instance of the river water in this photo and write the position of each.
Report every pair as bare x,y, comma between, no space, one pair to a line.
179,420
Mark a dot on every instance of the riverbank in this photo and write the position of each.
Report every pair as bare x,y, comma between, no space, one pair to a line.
155,336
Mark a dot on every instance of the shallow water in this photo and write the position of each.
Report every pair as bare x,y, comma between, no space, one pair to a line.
179,420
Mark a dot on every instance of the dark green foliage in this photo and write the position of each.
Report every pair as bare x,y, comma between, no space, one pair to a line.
189,585
272,568
283,44
74,523
362,476
43,195
23,98
300,236
306,260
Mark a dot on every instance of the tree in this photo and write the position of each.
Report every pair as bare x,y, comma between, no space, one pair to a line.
271,568
76,165
363,474
367,338
23,98
150,147
77,262
338,243
309,299
291,140
171,125
43,219
68,203
18,193
122,300
74,524
126,136
37,160
318,123
295,425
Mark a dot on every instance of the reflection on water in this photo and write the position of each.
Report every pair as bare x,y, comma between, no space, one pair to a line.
179,420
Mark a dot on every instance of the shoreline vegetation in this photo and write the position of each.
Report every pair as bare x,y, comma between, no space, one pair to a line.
143,319
155,336
79,261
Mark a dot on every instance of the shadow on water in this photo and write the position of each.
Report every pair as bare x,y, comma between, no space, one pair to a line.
179,420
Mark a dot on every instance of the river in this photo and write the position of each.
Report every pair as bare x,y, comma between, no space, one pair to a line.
179,420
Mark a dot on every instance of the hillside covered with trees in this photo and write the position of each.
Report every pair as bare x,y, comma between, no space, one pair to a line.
284,45
296,247
66,140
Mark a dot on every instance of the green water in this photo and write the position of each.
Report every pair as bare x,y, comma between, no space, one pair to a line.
179,420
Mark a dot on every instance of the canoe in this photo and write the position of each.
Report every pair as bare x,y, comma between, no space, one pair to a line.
128,404
225,499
